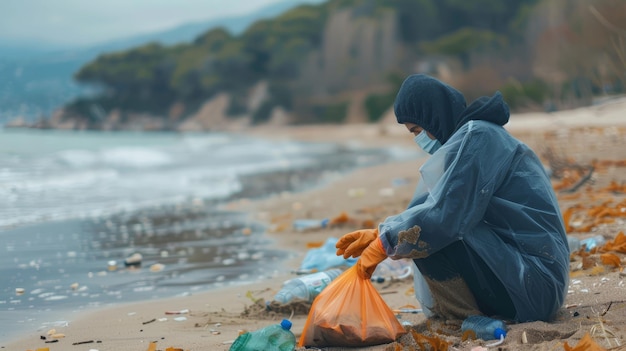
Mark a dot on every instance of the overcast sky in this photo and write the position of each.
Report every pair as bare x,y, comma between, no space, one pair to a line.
77,22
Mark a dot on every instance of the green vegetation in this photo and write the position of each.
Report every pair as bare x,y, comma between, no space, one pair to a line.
312,53
529,94
331,113
465,41
377,104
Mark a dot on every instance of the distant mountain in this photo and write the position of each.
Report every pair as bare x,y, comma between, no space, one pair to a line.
36,78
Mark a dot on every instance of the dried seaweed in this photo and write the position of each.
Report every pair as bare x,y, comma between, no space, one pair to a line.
436,343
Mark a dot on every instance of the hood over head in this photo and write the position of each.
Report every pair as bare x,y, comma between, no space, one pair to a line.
441,110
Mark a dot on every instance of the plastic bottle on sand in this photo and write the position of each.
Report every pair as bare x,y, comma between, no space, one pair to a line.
274,337
306,287
485,328
310,224
389,270
575,244
592,242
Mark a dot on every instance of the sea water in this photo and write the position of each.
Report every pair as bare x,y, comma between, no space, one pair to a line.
74,205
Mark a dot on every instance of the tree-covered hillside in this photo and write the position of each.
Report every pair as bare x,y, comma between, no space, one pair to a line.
319,61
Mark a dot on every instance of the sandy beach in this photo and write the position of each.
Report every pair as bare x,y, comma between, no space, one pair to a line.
596,300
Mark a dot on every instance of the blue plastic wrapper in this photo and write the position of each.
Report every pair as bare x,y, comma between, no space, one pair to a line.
325,257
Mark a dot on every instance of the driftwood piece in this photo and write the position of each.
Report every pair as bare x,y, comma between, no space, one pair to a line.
561,165
585,178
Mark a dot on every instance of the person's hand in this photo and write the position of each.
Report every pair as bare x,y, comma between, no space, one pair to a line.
353,244
373,254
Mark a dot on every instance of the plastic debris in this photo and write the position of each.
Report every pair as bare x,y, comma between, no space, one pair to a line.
390,270
310,224
134,260
272,337
485,328
324,258
575,244
408,310
307,287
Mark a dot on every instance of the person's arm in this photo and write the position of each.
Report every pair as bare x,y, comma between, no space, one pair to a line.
458,196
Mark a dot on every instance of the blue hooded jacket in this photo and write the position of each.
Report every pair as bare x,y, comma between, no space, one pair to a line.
486,188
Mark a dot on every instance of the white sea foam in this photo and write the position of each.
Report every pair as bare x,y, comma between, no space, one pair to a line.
61,175
135,157
60,182
78,158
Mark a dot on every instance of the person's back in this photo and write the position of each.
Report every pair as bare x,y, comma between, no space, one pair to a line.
523,213
491,191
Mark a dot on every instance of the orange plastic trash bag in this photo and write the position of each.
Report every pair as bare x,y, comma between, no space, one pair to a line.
350,312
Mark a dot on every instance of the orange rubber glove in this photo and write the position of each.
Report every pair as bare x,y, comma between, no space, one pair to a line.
353,244
373,254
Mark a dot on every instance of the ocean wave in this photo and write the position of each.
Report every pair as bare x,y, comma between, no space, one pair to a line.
60,182
129,157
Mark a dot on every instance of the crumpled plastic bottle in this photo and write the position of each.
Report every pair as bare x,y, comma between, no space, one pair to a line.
485,328
306,287
575,244
274,337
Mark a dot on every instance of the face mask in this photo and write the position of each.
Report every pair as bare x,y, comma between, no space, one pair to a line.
427,144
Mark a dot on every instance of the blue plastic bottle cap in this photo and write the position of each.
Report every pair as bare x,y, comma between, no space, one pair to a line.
378,279
286,324
499,333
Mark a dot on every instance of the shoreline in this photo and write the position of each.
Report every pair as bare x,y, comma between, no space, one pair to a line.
133,312
261,209
215,317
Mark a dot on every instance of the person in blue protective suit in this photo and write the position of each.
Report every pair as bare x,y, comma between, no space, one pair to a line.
483,228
